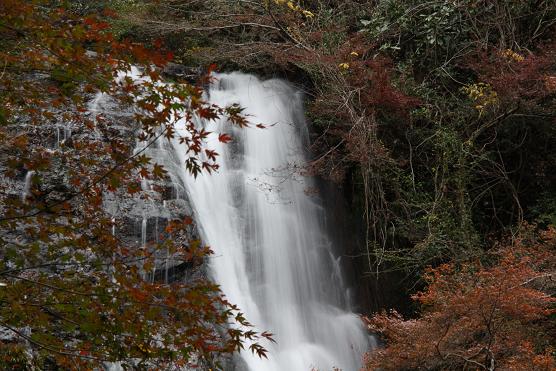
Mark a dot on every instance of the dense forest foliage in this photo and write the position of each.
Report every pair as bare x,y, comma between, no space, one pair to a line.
436,119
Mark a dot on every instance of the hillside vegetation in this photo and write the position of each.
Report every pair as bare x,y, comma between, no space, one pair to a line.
437,120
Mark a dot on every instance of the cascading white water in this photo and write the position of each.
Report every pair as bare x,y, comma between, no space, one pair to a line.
272,254
273,258
27,185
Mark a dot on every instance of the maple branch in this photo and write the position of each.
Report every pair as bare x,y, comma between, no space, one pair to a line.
533,279
467,360
184,28
77,264
88,186
17,31
46,347
491,123
147,303
50,286
285,31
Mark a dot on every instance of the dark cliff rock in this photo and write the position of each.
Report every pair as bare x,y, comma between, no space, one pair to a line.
180,71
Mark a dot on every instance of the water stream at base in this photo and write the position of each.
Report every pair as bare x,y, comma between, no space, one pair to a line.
273,258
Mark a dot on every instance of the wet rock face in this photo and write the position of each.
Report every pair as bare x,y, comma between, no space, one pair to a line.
175,71
141,220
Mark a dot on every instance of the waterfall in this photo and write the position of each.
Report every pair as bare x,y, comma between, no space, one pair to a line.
27,185
63,133
144,232
272,256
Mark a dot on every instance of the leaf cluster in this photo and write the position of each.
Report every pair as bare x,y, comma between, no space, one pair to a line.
73,293
478,316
